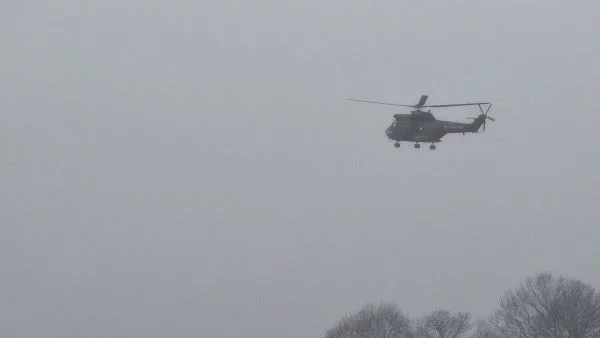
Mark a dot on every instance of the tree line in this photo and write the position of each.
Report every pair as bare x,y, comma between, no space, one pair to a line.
543,306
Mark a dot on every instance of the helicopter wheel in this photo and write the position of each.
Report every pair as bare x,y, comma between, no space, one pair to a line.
397,144
417,146
432,147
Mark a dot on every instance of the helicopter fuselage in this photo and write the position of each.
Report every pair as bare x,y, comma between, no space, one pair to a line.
420,126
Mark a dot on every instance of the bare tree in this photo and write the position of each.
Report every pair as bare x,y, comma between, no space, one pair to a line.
443,324
373,321
485,329
547,307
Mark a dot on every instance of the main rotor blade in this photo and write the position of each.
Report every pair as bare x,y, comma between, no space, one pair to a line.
491,118
455,105
386,103
421,102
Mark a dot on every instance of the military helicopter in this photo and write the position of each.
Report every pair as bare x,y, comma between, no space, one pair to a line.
422,126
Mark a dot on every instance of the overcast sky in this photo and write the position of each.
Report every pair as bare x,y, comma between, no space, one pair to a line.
193,168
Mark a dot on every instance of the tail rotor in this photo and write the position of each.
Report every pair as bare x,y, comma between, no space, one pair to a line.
484,115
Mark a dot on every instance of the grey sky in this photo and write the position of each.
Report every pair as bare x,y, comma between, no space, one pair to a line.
193,169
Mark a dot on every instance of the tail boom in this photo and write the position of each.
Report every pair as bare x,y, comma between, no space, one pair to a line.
458,127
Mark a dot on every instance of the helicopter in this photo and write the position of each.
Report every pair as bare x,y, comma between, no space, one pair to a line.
422,126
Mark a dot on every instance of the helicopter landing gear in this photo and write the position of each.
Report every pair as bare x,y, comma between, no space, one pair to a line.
417,146
432,146
397,144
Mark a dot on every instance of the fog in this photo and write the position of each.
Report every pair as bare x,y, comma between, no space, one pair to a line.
194,168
